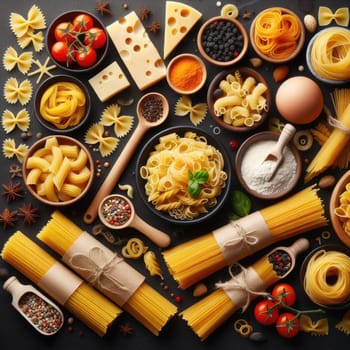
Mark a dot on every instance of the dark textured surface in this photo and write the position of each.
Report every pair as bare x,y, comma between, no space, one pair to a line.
15,333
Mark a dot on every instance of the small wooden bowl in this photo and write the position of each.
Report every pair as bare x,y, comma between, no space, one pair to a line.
300,43
213,87
37,149
259,137
47,84
238,56
174,86
73,67
334,203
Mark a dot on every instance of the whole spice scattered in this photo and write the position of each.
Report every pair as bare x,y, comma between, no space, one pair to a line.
222,40
29,213
154,27
116,211
152,109
12,191
15,171
103,7
186,74
144,13
126,329
8,218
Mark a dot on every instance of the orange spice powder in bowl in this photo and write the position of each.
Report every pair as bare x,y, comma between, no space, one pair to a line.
186,74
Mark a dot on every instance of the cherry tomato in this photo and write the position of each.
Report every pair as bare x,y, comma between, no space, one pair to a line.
287,325
86,57
83,22
284,292
63,32
60,51
95,37
266,312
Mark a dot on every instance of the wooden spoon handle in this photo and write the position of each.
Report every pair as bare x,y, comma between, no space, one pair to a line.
158,237
114,174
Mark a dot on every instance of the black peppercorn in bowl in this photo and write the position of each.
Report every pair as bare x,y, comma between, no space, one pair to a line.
222,41
232,104
175,173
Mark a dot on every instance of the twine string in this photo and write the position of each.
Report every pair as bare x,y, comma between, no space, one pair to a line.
334,122
243,237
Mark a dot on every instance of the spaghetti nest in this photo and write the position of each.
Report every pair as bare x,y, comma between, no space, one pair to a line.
327,278
330,54
166,174
276,34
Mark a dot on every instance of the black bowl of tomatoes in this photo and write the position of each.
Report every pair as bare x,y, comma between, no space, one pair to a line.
77,41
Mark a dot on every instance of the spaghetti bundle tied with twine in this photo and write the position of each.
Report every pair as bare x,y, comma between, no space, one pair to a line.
205,316
196,259
107,272
69,290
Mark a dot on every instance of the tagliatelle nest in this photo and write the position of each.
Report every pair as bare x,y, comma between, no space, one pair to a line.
11,59
9,150
10,121
197,112
95,135
15,91
122,124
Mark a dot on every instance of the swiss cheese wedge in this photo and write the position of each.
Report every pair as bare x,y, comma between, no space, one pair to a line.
179,20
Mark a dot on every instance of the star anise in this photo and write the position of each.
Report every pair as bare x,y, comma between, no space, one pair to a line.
144,13
154,27
103,8
29,213
126,329
15,171
12,191
8,218
247,15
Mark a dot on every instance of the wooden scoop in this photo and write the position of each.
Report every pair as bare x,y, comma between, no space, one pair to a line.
276,154
121,163
109,205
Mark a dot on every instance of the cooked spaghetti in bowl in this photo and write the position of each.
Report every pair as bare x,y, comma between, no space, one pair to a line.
183,175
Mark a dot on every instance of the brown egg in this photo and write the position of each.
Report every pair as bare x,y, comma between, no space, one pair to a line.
299,100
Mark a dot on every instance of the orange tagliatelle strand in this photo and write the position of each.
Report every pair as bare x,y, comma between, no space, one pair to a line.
276,34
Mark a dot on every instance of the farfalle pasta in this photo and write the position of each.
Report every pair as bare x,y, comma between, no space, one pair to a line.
11,59
122,123
15,91
166,175
95,135
197,112
10,121
10,149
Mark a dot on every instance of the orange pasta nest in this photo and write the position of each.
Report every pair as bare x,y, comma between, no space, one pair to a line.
276,33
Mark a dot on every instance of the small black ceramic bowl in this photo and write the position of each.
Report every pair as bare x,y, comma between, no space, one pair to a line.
70,64
63,124
141,181
330,274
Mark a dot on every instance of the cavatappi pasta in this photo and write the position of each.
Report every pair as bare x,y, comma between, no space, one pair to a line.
63,104
166,174
276,33
330,54
243,100
58,172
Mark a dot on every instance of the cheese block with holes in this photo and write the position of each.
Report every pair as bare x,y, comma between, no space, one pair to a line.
179,20
137,50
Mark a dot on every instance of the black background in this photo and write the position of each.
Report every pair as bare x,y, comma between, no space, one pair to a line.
15,332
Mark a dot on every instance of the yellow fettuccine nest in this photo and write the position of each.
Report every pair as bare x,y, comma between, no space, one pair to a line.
63,104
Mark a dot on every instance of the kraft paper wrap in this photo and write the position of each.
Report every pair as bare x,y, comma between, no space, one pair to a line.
103,269
244,287
60,283
242,237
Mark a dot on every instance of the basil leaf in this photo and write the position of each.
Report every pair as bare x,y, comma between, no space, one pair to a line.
196,178
194,188
201,176
241,203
